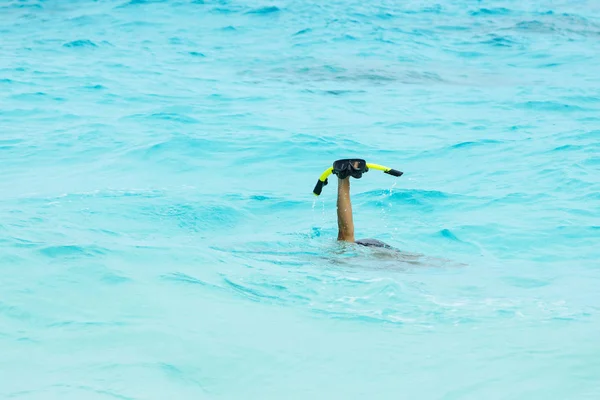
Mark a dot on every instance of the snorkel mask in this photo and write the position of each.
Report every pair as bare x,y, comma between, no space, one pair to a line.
350,167
354,167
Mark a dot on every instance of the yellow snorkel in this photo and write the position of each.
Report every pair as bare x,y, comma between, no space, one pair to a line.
350,167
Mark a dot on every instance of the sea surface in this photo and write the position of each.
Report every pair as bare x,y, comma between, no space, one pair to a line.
159,238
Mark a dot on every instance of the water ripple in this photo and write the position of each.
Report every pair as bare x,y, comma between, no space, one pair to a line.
159,238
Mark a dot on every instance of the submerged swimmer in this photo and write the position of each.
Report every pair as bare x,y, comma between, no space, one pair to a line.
344,169
345,221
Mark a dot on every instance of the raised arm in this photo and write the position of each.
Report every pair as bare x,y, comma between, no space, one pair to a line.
344,211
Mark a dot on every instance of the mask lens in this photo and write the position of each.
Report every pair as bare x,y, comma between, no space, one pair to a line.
358,165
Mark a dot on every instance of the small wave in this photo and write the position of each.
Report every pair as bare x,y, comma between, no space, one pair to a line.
422,76
24,243
141,2
536,26
415,194
136,24
447,233
303,32
435,9
422,199
593,162
385,15
14,312
477,143
176,147
345,38
146,194
360,317
114,279
196,54
57,391
176,117
550,65
579,24
265,10
22,4
371,77
7,144
36,96
499,41
469,54
248,292
568,147
339,74
177,373
584,99
176,41
550,106
80,43
491,12
265,202
333,92
84,324
239,197
183,278
95,87
72,251
454,28
526,283
223,10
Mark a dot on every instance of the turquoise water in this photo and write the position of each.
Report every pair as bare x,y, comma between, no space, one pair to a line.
158,234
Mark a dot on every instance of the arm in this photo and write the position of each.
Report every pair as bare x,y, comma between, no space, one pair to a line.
344,211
